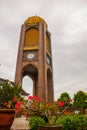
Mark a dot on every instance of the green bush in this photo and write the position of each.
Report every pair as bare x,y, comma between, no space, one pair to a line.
73,122
35,121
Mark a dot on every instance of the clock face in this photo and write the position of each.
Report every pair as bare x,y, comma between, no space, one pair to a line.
30,56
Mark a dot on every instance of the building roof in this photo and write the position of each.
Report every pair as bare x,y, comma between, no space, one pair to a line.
35,19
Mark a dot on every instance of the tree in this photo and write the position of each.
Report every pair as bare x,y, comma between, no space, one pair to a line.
65,97
80,99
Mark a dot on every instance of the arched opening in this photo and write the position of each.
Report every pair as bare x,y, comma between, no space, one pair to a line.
30,73
27,85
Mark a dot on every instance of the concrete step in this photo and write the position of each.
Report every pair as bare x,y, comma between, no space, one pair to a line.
20,124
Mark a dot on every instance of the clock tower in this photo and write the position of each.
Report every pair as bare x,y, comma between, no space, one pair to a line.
35,57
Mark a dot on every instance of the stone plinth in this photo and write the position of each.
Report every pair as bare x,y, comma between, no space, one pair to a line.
20,124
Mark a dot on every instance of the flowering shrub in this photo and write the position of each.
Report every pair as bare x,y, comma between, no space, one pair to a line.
48,111
10,96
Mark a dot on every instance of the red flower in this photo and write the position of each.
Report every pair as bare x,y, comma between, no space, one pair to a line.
14,99
35,98
61,104
18,105
30,97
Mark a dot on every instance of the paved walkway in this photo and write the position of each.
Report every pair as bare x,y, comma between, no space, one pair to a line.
20,124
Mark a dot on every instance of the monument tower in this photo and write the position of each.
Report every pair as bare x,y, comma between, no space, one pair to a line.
35,57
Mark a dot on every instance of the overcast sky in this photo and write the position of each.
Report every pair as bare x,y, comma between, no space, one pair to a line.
67,22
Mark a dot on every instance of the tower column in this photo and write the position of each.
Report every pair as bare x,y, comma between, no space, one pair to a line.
42,76
18,74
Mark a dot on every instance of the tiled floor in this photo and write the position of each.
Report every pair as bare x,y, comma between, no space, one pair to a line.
20,124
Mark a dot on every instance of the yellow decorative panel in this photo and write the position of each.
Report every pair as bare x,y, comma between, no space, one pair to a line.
31,39
48,48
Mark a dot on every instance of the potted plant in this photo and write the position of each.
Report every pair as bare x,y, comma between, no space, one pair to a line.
10,102
49,112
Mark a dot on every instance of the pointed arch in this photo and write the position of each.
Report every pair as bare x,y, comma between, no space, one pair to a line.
27,84
31,71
